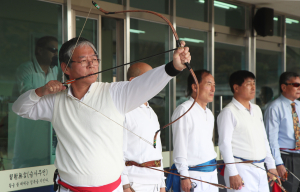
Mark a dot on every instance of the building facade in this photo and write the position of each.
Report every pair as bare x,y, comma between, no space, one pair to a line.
219,33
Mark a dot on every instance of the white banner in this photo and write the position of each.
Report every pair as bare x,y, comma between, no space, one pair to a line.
25,178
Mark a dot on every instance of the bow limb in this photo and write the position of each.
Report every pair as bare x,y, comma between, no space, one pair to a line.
178,46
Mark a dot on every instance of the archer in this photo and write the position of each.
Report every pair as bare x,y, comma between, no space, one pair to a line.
89,150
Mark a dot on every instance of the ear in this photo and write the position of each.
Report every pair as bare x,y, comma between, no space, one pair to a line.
283,87
64,69
235,88
131,78
194,87
39,50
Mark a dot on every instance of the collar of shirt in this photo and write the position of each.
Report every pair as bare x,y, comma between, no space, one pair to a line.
204,111
70,91
38,68
145,106
288,102
242,107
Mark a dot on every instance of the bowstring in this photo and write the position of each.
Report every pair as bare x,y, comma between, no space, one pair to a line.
111,119
77,41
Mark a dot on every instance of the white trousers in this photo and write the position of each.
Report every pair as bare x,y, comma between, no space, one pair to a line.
204,187
119,189
137,187
255,179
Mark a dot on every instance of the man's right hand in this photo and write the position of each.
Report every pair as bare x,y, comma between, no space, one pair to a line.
186,185
236,182
281,171
127,190
51,87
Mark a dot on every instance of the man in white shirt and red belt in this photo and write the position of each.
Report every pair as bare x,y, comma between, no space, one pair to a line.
242,137
192,138
88,116
137,153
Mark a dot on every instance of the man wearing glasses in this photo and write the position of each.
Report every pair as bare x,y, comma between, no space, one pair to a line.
35,73
88,115
282,126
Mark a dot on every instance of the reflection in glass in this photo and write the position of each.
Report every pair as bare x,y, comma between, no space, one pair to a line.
160,6
197,42
90,29
229,15
153,40
228,59
195,10
277,25
29,58
113,1
292,28
268,70
293,59
111,52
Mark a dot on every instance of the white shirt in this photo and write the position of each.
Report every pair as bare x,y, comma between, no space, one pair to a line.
192,138
144,122
226,124
126,96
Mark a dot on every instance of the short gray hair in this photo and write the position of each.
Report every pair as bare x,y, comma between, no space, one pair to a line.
67,48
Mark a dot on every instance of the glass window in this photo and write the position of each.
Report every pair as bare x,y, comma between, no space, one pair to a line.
268,70
90,29
30,36
195,10
277,26
197,42
160,6
292,28
228,59
229,15
147,39
112,55
293,59
113,1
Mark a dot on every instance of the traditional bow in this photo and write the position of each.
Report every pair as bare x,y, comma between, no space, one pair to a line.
178,46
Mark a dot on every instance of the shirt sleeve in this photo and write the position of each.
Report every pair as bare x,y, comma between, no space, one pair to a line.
272,129
124,176
180,131
226,123
29,105
128,95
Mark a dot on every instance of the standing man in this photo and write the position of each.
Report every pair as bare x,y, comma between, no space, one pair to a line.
144,122
282,126
242,137
88,115
192,137
31,75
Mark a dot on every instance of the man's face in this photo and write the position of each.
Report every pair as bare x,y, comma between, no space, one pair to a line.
207,88
49,51
83,53
247,90
290,91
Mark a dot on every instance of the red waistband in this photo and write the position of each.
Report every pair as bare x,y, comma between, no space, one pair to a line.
107,188
289,149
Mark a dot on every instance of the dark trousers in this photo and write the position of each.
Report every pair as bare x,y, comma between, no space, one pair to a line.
292,162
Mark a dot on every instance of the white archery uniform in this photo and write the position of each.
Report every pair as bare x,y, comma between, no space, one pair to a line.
193,145
89,151
142,121
242,134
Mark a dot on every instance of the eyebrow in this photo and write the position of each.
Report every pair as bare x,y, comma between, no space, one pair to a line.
88,55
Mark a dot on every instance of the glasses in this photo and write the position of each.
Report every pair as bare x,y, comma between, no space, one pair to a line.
294,84
84,63
52,50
